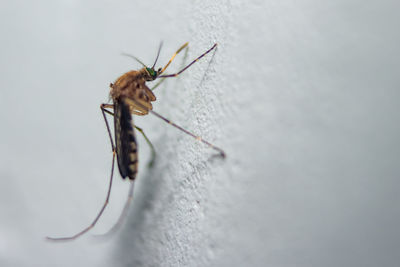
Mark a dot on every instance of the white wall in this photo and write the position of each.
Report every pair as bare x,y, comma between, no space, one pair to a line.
302,95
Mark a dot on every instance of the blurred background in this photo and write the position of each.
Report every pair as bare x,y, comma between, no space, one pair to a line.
302,95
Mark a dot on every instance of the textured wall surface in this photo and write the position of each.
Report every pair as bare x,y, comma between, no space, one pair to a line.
302,95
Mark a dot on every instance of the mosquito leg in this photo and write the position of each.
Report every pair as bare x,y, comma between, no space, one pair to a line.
179,50
153,151
104,111
104,106
198,138
185,68
128,202
98,215
123,215
174,55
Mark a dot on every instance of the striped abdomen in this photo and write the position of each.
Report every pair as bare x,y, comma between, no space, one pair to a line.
125,141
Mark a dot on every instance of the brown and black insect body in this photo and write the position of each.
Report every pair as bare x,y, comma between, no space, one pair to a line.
125,141
130,95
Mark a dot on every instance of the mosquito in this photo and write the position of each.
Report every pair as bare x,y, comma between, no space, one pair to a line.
130,95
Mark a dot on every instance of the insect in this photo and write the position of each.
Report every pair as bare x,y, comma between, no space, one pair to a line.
130,95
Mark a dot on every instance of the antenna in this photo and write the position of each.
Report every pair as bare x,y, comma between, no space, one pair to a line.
135,58
158,53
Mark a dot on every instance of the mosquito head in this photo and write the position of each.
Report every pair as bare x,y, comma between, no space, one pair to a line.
153,74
